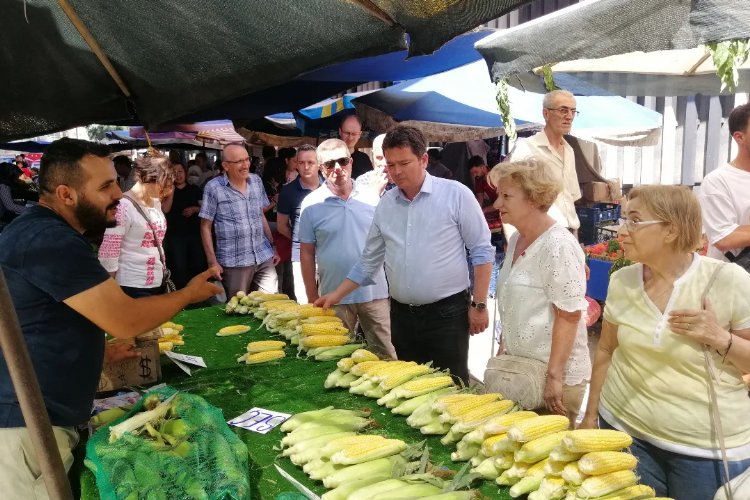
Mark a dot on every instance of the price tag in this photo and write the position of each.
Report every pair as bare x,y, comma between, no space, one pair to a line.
259,420
186,358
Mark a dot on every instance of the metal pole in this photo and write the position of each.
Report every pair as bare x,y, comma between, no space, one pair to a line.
30,398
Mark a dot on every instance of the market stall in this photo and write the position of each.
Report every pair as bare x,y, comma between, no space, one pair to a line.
289,385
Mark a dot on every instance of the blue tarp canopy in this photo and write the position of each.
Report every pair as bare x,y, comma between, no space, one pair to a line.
459,104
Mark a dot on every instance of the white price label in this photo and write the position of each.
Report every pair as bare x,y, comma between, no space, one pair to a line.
186,358
259,420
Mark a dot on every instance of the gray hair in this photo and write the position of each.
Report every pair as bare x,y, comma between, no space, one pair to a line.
549,98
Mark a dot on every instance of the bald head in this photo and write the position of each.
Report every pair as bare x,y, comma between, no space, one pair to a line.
350,130
377,151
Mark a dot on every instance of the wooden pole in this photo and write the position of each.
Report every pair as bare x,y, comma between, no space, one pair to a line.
30,399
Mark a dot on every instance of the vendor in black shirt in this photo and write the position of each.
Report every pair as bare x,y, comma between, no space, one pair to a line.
182,244
65,301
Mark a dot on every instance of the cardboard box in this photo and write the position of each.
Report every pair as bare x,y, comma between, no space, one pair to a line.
595,191
145,369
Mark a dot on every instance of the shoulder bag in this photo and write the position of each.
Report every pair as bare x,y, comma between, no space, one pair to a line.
167,283
517,378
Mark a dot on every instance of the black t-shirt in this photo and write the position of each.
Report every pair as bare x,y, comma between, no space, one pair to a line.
178,224
361,164
290,202
45,261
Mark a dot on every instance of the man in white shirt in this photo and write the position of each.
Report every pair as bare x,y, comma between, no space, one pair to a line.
724,198
550,146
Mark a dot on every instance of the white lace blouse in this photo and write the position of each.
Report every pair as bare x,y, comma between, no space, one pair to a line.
550,271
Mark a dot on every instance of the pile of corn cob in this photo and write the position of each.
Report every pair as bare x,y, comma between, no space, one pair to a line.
262,351
171,335
326,444
243,303
538,456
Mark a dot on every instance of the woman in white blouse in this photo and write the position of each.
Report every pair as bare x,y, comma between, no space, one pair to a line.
129,251
542,284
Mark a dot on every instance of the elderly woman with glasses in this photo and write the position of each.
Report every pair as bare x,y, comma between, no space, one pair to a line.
542,285
665,323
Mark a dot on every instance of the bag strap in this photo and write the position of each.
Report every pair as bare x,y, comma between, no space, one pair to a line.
151,226
713,398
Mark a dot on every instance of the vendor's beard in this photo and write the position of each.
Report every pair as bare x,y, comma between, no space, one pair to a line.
93,219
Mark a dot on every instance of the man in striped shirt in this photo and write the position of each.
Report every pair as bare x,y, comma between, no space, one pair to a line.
233,206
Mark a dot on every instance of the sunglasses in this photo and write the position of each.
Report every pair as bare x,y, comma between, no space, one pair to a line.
330,165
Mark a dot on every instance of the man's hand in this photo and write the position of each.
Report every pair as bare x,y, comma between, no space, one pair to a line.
312,298
117,350
200,289
190,211
327,301
479,320
215,265
275,259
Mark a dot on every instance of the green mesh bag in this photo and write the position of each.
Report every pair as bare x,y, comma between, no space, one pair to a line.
209,462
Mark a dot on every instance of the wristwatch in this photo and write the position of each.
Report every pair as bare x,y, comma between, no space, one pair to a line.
481,306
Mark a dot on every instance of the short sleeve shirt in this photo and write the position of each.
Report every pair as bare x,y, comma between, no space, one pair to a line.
725,205
550,272
238,221
45,261
290,203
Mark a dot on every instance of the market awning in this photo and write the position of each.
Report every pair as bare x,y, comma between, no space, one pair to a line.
601,28
460,105
210,135
174,57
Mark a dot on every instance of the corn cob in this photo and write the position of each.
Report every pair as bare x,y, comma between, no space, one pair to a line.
487,469
504,461
539,448
532,428
344,491
396,395
488,445
233,330
415,388
324,341
554,468
345,364
345,380
505,445
308,330
602,462
551,488
472,419
410,491
336,445
310,312
588,440
440,403
434,428
269,297
333,378
464,451
500,424
262,357
597,486
376,489
530,481
408,406
560,454
165,346
381,466
462,405
391,380
572,474
635,492
361,368
360,453
513,475
320,415
317,320
265,345
361,355
332,352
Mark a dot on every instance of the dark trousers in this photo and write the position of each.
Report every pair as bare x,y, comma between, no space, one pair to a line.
185,257
137,293
286,278
437,332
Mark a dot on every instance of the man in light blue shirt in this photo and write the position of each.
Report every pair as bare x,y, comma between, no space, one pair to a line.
421,232
333,227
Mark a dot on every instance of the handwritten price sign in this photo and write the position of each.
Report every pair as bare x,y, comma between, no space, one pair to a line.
259,420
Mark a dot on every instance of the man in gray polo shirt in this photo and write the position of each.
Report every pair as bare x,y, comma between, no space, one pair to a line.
332,231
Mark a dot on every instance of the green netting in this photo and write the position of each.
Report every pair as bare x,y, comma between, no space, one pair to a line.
289,385
208,462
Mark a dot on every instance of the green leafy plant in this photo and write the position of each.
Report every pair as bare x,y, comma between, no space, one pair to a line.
727,57
503,105
549,79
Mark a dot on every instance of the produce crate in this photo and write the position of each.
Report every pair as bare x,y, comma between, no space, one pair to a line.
598,282
593,218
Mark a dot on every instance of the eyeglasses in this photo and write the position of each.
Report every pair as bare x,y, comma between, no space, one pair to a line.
238,162
632,225
566,111
331,164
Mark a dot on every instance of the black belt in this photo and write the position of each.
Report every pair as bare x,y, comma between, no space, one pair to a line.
437,304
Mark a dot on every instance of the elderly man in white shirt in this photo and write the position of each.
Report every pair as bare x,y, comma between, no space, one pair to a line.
550,146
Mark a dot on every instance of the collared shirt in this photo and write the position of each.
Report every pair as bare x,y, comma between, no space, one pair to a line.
290,203
563,209
238,221
423,242
339,229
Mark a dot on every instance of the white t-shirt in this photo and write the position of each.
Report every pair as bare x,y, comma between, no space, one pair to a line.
563,168
550,271
128,249
725,203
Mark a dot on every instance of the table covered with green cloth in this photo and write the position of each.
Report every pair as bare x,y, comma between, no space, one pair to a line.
289,385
